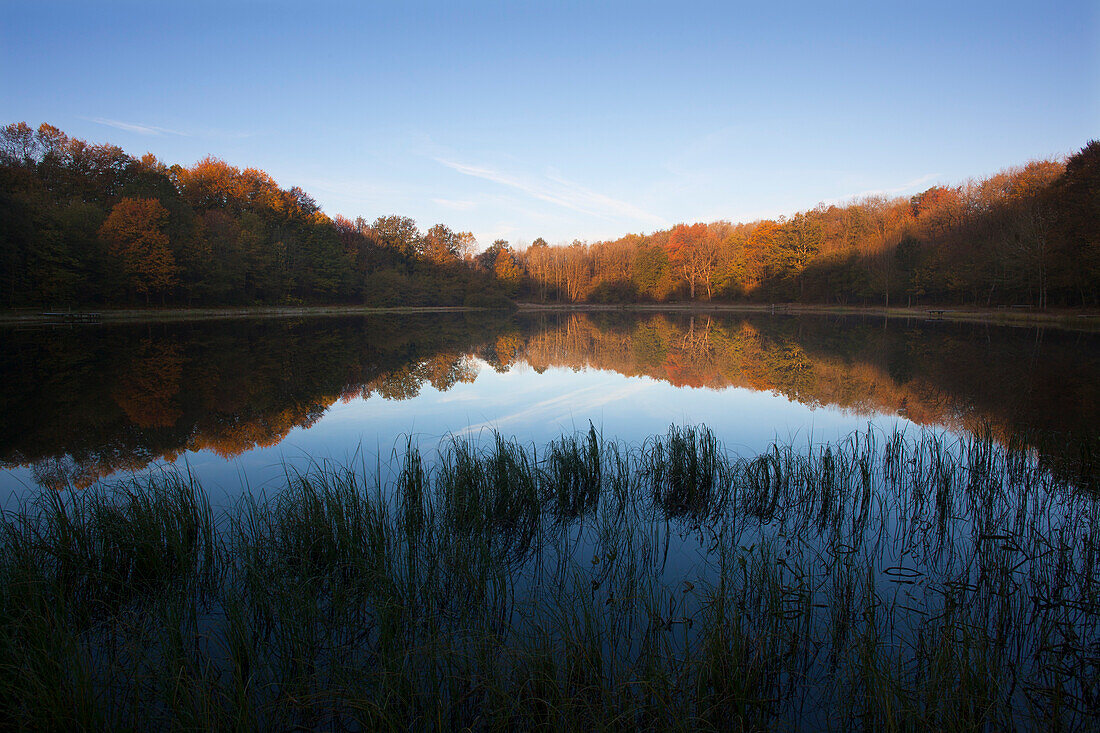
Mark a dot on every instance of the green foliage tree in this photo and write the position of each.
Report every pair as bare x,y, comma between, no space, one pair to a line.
400,234
650,271
799,241
487,260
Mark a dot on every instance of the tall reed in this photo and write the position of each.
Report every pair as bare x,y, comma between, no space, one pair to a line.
893,582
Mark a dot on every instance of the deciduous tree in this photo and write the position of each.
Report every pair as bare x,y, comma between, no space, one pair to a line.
136,241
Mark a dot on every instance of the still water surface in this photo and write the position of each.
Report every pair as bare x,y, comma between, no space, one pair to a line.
237,402
889,549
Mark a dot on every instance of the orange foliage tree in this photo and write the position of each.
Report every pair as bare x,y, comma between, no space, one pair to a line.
691,250
136,240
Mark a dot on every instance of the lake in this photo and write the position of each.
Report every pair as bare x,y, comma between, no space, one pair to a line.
238,400
700,520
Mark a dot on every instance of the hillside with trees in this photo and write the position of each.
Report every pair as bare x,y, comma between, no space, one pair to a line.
89,224
1026,236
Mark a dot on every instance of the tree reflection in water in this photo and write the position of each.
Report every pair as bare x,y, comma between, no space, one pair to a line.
85,403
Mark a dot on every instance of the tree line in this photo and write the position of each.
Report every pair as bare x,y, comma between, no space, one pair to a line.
87,224
1028,235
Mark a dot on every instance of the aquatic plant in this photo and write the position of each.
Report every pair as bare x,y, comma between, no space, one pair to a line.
892,582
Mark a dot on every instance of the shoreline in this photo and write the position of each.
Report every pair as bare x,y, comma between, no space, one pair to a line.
1067,319
1076,320
149,315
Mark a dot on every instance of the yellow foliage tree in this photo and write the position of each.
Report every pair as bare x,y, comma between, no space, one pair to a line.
508,271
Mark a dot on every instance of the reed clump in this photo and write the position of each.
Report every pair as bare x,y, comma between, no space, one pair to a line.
884,582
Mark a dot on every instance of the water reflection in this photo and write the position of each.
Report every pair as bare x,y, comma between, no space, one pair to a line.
84,403
88,402
1032,386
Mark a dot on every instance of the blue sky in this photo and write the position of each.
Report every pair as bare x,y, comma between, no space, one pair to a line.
566,120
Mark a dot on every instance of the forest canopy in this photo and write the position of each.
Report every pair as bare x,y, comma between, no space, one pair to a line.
89,224
1028,236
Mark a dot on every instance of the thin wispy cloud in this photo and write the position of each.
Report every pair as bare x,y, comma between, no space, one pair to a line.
140,129
560,192
352,188
561,408
614,207
903,188
156,131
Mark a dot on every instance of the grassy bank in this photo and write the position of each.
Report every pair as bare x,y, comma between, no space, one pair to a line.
1077,320
1073,319
889,582
138,315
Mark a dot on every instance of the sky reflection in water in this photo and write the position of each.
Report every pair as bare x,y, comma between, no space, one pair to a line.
537,408
238,403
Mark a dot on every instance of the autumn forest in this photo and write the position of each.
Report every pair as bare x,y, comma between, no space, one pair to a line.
88,224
